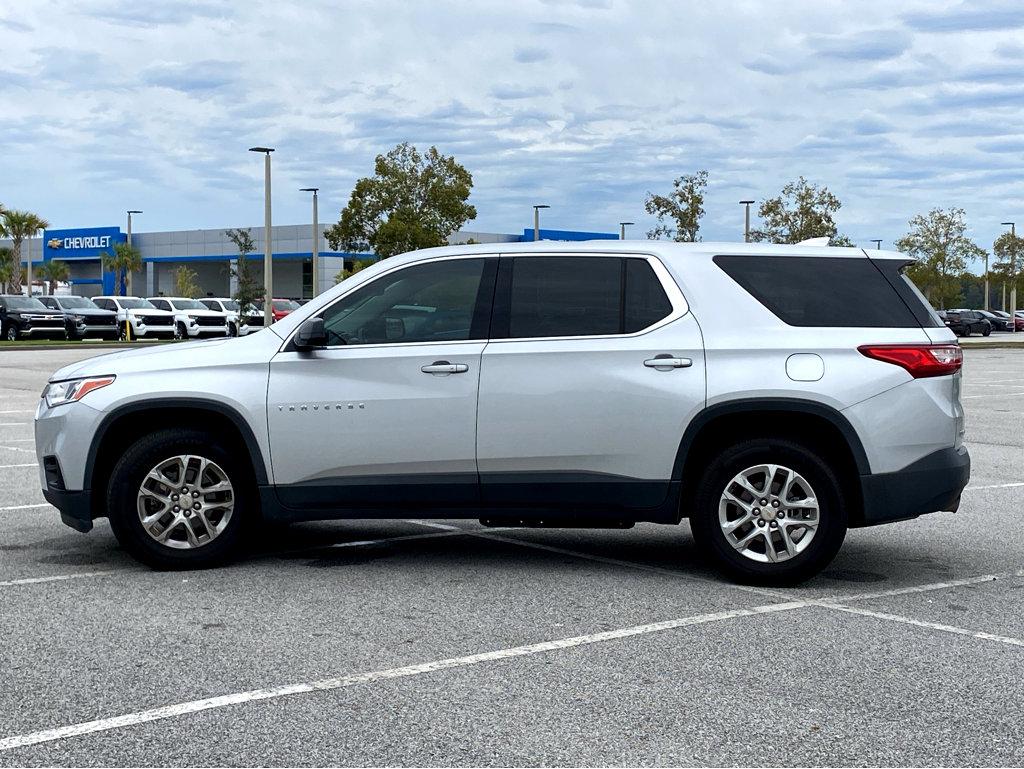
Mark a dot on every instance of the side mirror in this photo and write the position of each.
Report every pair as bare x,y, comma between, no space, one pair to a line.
311,335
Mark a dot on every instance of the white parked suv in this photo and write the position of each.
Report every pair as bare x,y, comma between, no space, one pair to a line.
772,395
146,321
192,318
253,317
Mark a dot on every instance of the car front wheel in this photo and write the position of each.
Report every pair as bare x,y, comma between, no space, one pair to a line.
177,499
12,334
769,511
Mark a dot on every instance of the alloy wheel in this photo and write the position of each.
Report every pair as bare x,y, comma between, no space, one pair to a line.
185,501
768,513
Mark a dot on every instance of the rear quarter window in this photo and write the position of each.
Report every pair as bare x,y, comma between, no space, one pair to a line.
822,291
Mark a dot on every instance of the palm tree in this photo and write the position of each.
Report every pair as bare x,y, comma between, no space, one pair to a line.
6,268
18,225
54,271
125,259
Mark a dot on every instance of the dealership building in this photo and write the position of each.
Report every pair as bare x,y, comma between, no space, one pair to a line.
212,255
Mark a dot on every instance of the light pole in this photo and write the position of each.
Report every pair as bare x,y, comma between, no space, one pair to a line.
622,229
268,275
746,219
1013,275
129,239
878,243
536,220
316,240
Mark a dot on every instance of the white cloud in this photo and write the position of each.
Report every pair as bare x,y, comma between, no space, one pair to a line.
584,105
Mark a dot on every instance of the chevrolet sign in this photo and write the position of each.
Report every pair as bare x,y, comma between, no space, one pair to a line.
85,243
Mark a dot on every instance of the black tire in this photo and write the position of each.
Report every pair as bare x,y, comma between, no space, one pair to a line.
987,331
832,512
232,329
967,331
127,478
11,334
179,331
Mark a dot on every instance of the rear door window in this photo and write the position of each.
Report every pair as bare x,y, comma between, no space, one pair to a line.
824,291
572,296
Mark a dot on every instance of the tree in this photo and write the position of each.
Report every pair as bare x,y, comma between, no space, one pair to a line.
6,269
803,210
683,207
1008,250
53,272
125,259
249,292
356,266
412,201
18,225
185,282
939,242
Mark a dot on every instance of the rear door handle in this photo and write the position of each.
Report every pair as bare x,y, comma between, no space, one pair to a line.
444,368
664,362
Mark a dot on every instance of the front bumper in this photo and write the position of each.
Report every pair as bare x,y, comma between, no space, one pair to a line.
75,507
929,485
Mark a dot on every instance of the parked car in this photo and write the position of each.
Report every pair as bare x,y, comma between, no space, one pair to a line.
23,316
253,317
1018,321
282,308
82,318
998,323
974,322
192,318
965,322
146,321
774,395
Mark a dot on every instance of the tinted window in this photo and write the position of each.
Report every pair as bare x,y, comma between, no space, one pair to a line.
646,302
815,291
565,296
49,302
136,304
433,302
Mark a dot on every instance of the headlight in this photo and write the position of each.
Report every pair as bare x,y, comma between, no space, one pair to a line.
193,318
59,393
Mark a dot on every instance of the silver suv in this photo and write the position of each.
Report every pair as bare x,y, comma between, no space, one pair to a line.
772,395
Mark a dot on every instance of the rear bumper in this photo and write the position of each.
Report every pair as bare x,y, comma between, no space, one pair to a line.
75,507
930,484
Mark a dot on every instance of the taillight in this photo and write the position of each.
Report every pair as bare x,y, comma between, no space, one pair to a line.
921,360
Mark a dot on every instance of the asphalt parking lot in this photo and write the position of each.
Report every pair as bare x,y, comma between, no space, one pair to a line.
442,643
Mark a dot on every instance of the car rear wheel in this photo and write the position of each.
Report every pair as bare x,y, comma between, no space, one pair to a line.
12,334
769,511
986,331
177,499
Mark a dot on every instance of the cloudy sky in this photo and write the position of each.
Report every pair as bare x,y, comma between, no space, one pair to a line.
581,104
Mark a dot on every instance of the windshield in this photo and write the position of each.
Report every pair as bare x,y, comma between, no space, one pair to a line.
285,304
188,304
76,303
23,303
232,305
135,304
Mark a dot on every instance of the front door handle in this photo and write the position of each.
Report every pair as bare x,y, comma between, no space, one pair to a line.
665,362
444,368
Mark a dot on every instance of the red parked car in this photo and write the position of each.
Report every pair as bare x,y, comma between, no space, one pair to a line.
283,307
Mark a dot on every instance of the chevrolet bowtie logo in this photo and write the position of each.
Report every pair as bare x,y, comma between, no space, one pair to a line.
55,243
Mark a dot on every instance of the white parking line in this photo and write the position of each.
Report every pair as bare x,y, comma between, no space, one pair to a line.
19,440
990,395
15,448
13,424
27,464
929,625
19,411
24,507
57,578
328,684
995,486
